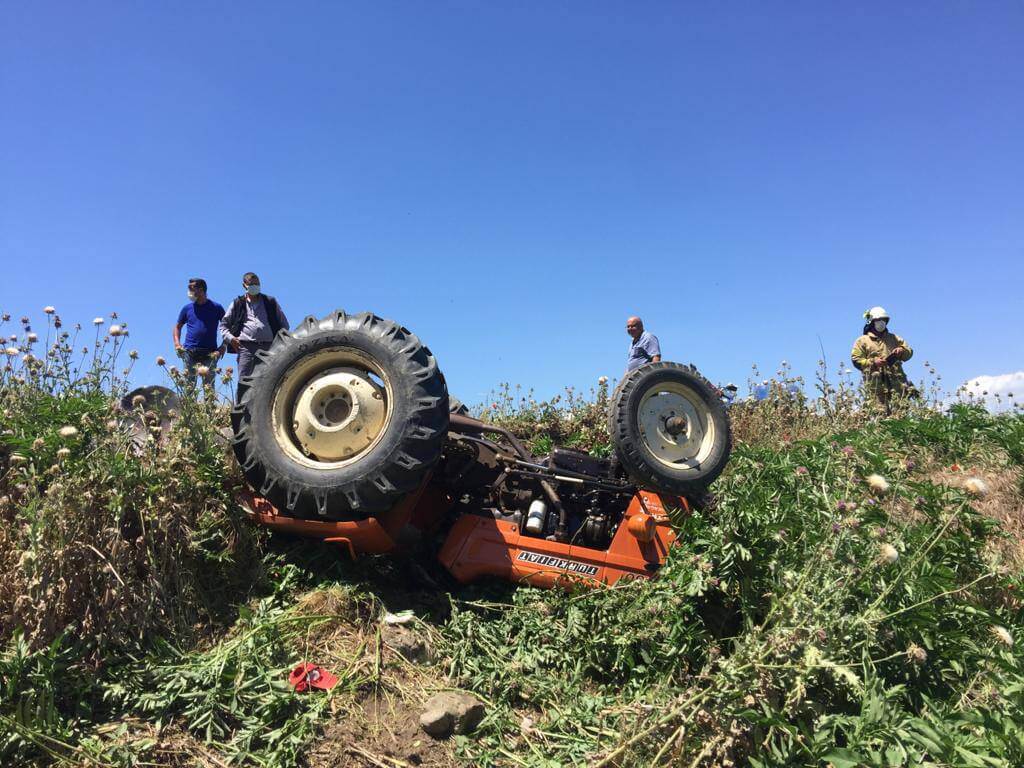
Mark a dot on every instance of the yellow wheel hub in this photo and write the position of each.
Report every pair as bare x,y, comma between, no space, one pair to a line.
331,407
338,414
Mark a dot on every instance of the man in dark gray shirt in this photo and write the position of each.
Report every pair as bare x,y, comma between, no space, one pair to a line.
645,347
250,323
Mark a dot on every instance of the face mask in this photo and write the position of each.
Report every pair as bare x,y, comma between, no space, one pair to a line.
191,296
252,290
880,325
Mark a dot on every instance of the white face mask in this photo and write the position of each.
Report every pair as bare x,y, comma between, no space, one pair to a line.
253,290
880,325
191,296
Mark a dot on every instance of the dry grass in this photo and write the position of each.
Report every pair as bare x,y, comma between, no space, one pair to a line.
1001,502
378,723
130,539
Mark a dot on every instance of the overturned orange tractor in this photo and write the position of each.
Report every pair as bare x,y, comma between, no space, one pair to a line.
345,432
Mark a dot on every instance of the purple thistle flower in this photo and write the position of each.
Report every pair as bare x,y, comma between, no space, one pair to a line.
848,450
841,506
910,464
801,470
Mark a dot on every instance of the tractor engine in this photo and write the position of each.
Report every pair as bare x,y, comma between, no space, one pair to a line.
537,494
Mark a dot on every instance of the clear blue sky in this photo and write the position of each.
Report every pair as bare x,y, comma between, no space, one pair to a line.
512,180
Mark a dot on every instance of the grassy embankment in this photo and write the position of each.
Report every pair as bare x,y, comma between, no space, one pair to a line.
851,596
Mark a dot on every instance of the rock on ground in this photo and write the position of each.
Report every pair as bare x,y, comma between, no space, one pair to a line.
406,642
448,712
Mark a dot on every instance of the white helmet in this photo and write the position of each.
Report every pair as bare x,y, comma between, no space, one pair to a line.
877,313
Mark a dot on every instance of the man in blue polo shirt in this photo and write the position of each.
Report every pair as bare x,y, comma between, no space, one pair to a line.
200,350
644,348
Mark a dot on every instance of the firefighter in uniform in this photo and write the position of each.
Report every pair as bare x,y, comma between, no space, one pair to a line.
879,355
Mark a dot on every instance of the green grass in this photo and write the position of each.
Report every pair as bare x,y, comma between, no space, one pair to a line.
806,618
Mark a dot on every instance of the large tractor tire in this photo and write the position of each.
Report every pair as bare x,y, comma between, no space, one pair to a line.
670,429
341,418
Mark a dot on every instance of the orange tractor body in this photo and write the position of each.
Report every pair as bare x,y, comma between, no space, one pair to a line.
476,547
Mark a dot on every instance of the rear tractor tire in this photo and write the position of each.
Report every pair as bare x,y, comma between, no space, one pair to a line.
342,417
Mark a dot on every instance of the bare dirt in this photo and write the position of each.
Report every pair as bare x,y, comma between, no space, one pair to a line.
381,729
377,725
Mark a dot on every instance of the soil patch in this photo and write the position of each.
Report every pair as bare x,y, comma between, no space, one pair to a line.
381,729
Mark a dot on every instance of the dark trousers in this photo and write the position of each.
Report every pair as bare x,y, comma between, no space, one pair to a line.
192,359
247,356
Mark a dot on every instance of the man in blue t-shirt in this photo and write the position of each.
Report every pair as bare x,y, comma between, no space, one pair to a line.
644,348
200,318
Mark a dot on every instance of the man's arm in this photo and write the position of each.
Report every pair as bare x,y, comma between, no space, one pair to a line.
859,356
176,334
225,332
222,348
654,349
280,316
902,351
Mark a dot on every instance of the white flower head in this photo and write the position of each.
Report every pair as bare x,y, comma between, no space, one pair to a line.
916,654
116,330
49,310
1002,634
160,360
887,554
202,370
602,380
877,483
976,487
68,431
97,321
32,337
11,351
63,452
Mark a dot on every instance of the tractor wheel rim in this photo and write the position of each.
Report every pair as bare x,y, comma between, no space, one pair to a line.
331,407
679,446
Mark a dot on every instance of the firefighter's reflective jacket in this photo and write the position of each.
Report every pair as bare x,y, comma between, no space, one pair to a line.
889,378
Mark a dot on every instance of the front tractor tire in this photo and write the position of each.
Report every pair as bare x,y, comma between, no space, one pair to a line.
670,429
341,418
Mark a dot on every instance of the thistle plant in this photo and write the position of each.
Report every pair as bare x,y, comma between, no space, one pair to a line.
844,596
